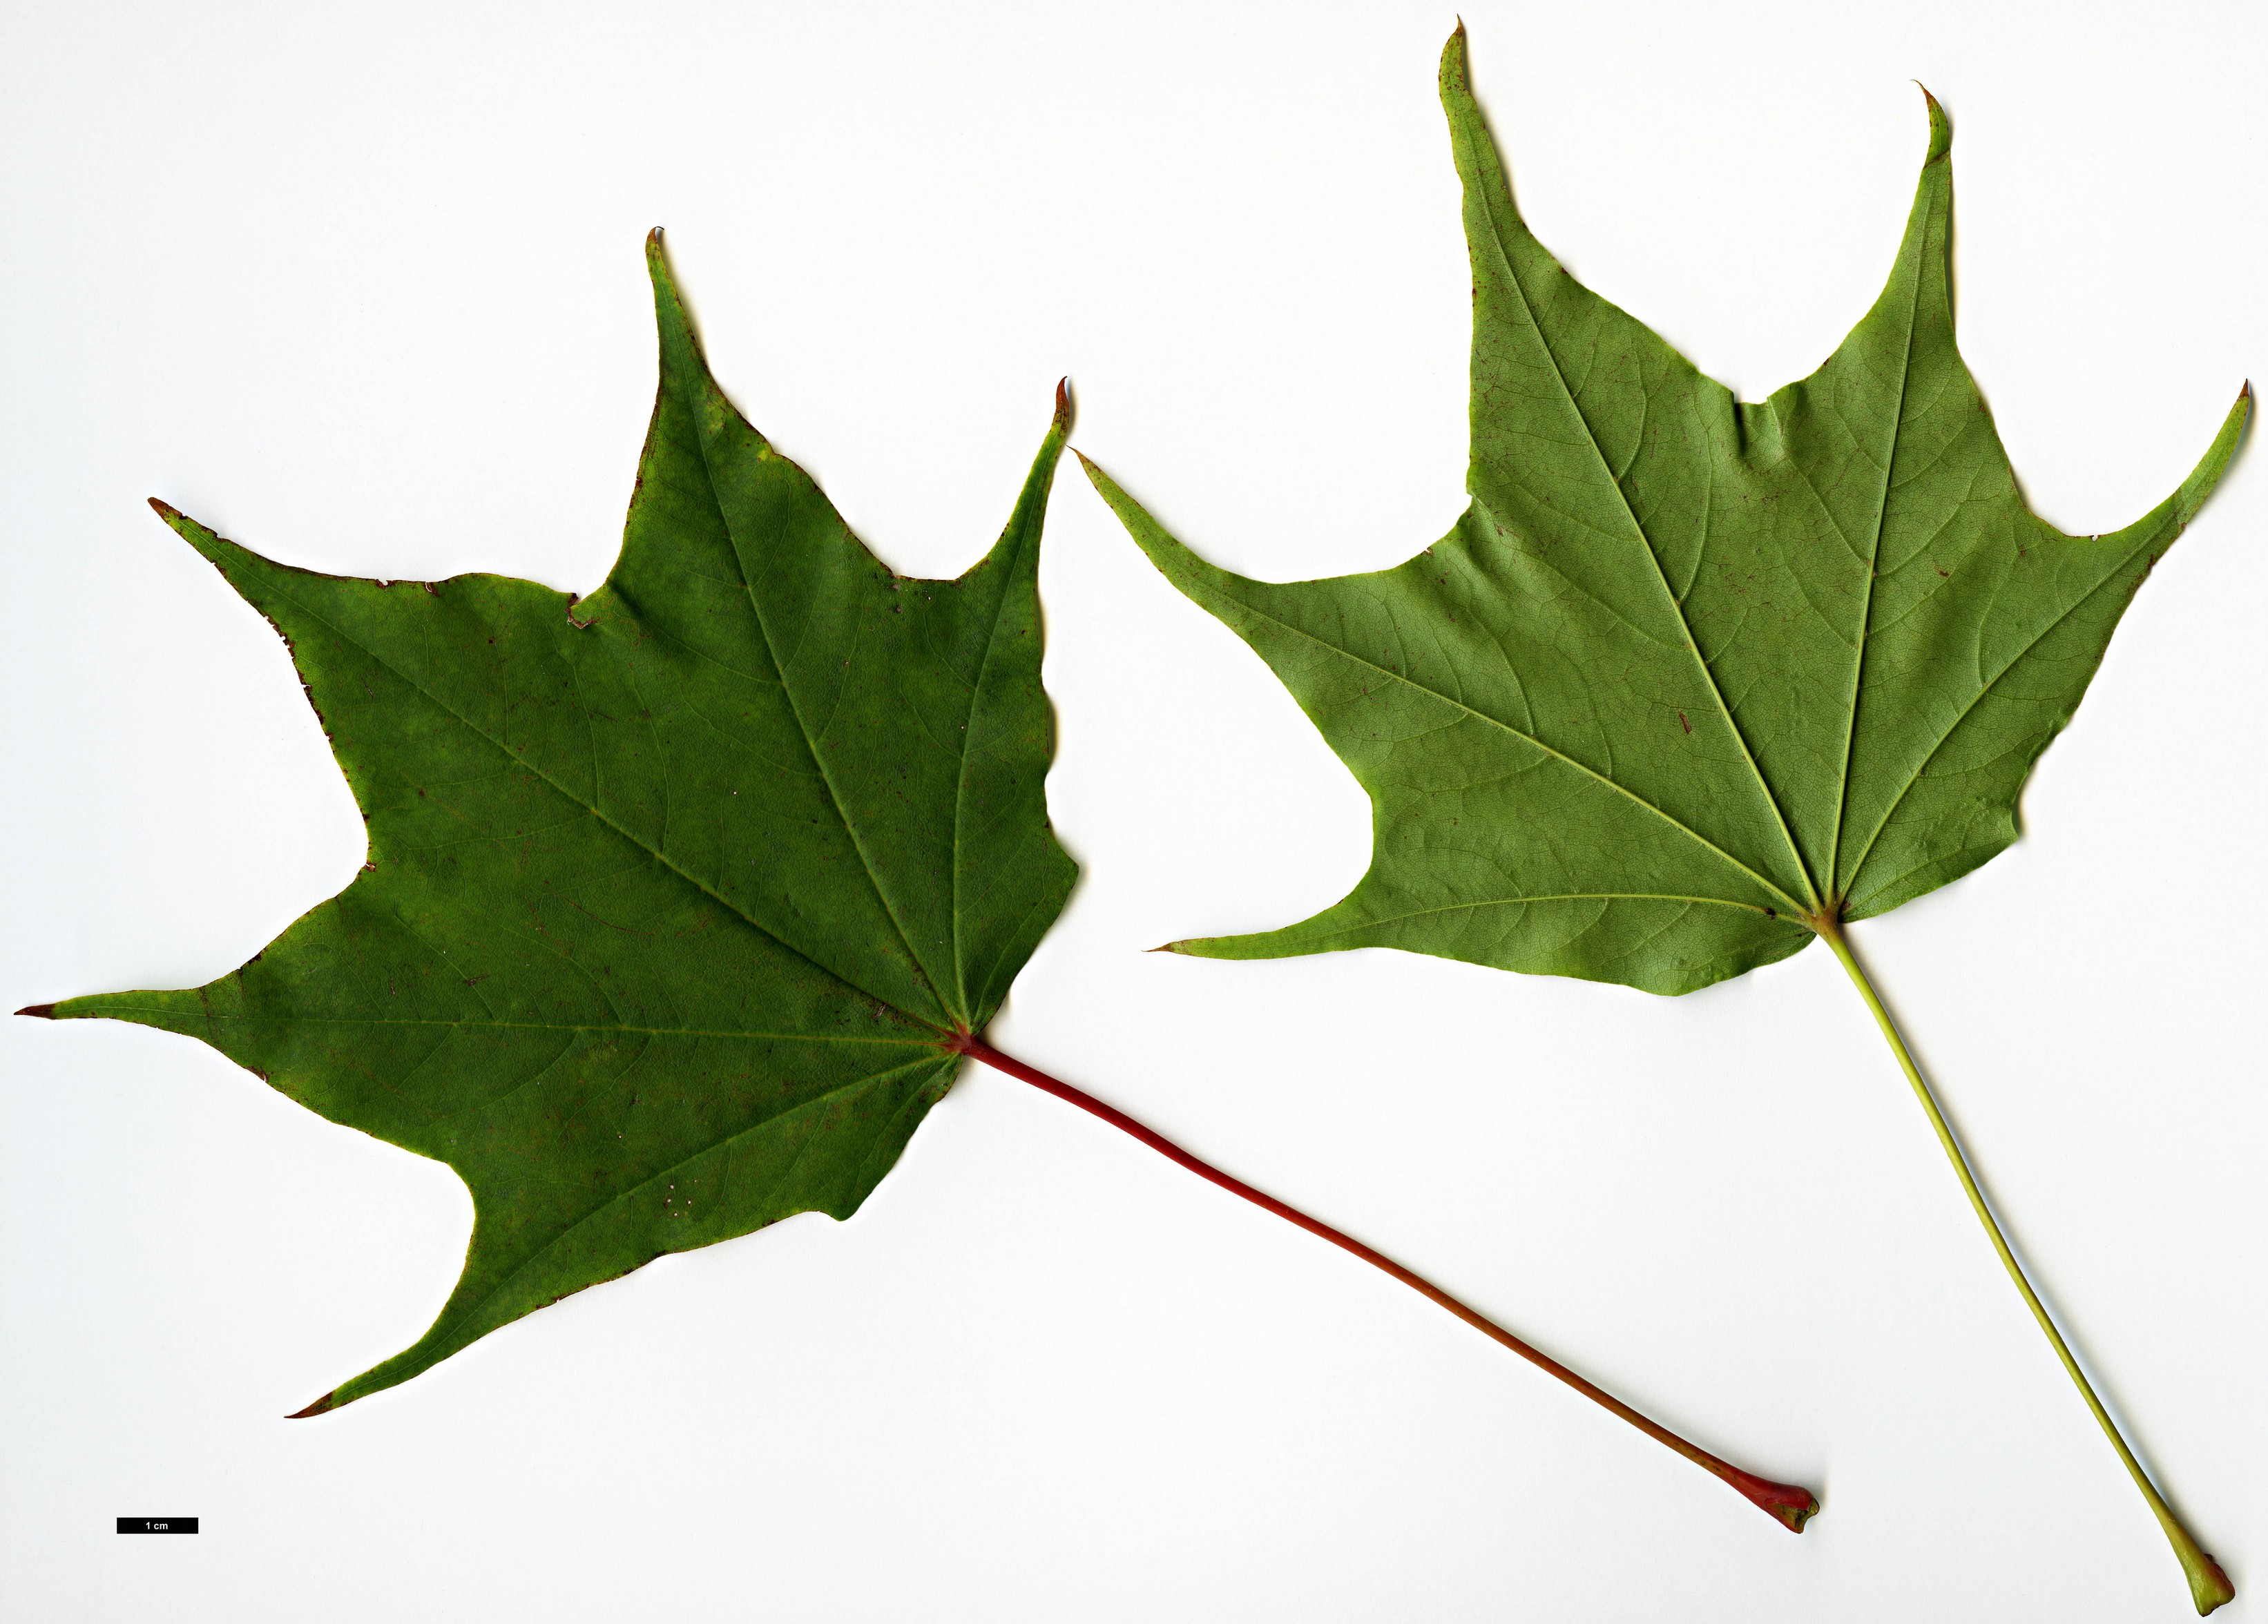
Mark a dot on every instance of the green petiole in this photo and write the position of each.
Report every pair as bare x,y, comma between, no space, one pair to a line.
2209,1586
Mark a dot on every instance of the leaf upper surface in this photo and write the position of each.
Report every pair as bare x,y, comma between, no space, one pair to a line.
673,892
1688,670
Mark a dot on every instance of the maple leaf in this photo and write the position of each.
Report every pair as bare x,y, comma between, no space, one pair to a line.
1693,681
671,890
687,901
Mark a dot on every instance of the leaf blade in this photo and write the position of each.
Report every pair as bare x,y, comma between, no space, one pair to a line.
1723,611
646,957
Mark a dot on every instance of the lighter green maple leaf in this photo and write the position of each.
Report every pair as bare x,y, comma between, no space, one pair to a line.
1694,682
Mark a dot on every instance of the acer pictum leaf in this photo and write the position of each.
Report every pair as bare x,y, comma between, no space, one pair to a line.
687,901
1694,682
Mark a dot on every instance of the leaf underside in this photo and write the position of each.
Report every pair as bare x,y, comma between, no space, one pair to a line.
1688,672
674,891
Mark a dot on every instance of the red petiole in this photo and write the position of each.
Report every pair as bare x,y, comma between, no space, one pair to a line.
1788,1502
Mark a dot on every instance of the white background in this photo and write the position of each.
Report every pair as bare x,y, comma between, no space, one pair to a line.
362,287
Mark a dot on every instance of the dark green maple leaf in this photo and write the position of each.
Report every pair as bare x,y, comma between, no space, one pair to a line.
686,901
1692,681
671,890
